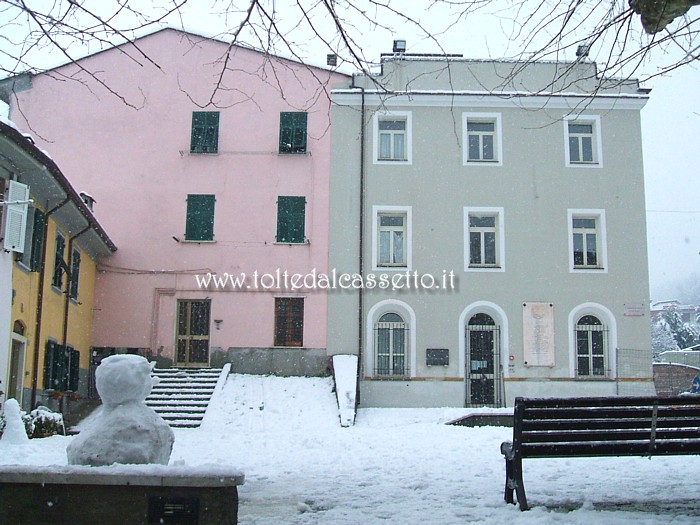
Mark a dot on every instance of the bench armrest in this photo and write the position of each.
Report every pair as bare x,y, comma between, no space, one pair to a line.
507,449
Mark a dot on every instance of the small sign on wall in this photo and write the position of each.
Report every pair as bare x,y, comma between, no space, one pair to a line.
634,309
538,334
437,357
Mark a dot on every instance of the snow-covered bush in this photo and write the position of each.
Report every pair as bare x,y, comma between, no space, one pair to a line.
43,422
685,334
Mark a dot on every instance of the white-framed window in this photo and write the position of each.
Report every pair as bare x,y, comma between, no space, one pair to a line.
390,345
587,241
391,238
591,347
390,339
583,147
483,144
592,342
484,239
392,137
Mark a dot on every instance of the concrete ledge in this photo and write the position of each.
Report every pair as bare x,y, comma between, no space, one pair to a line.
119,494
484,420
279,361
142,475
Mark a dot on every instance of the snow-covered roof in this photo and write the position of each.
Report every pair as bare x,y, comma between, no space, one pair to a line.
13,134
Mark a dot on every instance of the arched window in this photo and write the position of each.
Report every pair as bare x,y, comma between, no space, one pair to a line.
591,343
19,328
391,333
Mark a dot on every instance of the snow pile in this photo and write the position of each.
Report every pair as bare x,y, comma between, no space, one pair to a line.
397,466
345,372
14,432
126,430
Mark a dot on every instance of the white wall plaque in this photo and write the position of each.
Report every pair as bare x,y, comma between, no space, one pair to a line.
634,309
538,334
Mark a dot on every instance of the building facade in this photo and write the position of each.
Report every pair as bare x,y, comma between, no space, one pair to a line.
498,239
210,168
52,242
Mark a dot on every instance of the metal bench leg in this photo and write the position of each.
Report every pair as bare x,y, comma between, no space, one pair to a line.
518,482
510,484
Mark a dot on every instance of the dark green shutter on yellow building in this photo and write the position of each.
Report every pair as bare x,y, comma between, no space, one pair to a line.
291,216
293,132
200,218
37,240
205,132
61,367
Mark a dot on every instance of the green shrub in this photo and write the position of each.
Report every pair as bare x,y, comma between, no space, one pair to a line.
43,422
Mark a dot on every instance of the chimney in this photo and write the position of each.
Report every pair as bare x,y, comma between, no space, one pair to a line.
582,50
399,46
88,199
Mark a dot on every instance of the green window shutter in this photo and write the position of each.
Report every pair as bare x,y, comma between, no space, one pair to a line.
37,240
48,364
205,132
293,132
200,218
291,217
57,280
75,274
73,379
56,362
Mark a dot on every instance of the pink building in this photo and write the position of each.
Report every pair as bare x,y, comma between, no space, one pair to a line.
196,173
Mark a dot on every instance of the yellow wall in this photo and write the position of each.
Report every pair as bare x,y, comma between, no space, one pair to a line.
24,307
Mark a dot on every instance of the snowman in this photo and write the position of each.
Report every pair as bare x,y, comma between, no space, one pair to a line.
14,432
126,430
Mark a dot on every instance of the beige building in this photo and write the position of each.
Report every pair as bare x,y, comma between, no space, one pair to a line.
499,235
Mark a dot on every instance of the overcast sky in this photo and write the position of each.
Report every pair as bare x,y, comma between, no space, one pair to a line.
670,120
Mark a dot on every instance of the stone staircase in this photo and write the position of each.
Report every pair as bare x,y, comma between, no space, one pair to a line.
182,395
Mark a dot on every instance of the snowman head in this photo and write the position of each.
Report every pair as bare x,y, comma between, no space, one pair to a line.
123,378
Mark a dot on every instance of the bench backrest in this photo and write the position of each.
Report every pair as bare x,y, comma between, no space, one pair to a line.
609,426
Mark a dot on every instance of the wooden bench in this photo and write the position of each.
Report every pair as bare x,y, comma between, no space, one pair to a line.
599,426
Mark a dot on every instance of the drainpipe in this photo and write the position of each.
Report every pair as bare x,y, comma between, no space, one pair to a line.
66,300
66,303
361,297
40,302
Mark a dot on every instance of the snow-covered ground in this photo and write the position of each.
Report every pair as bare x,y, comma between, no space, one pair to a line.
398,466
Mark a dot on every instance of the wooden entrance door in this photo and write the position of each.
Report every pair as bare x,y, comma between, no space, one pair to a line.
14,387
193,319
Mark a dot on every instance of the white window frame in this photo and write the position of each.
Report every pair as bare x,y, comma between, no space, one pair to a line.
610,323
597,145
601,240
497,142
499,213
589,356
390,354
408,246
373,315
393,115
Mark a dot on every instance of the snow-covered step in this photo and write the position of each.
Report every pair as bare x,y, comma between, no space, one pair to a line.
178,397
181,395
173,402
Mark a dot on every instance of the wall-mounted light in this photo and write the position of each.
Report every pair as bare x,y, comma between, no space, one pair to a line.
218,322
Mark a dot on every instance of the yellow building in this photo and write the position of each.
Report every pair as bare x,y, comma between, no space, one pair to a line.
51,248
